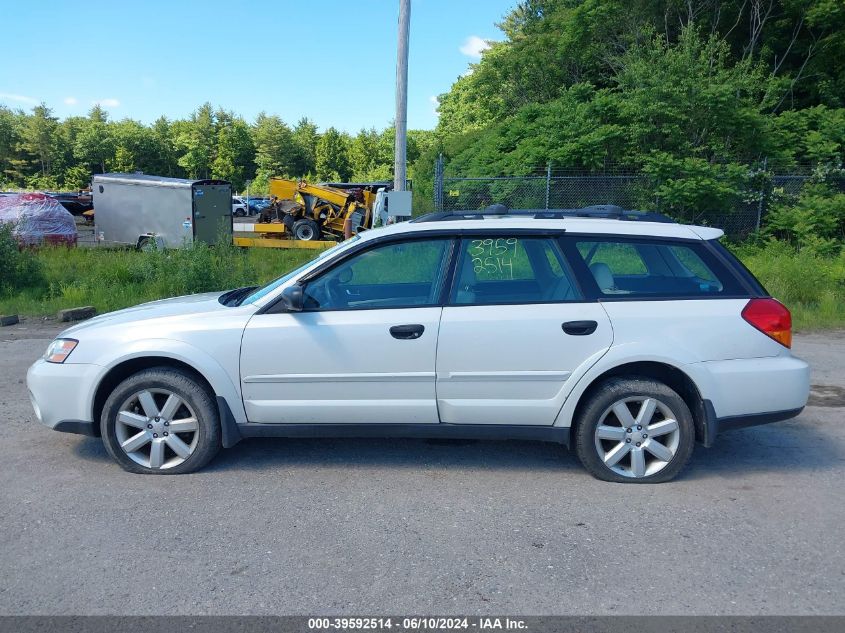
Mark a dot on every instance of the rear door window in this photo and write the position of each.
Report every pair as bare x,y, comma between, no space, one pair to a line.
511,269
629,267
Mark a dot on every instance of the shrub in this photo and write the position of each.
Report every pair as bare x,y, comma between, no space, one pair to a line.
19,268
815,222
811,285
111,279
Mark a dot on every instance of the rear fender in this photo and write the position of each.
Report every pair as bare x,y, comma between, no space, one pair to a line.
622,355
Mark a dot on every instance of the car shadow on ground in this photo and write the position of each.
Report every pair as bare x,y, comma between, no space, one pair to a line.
270,453
802,444
787,446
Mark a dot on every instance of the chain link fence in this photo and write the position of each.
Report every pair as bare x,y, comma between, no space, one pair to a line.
573,190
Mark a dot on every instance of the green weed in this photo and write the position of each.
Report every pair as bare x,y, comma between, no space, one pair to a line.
810,285
112,279
38,283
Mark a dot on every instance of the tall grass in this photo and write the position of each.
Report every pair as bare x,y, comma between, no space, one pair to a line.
811,286
114,279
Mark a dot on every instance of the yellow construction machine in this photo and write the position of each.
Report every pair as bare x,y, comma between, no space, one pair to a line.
312,215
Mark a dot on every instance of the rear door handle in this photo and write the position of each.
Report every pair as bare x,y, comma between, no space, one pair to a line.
407,332
579,328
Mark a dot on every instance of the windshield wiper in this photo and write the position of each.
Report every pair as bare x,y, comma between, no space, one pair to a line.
234,297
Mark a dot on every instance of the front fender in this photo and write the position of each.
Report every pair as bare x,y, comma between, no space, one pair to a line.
202,362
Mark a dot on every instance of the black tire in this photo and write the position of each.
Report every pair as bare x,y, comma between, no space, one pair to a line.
194,394
306,230
602,399
146,244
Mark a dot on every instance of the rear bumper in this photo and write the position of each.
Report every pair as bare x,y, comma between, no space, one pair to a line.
713,425
754,386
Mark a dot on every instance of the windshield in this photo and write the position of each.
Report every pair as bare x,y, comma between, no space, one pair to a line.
270,287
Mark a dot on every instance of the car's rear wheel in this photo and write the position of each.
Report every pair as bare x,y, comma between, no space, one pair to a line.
161,421
634,430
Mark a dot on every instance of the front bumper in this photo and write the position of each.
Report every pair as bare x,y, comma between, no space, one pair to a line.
62,395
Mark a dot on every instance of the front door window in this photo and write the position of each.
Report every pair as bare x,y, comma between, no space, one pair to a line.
396,275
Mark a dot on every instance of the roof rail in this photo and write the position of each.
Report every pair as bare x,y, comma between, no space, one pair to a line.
602,211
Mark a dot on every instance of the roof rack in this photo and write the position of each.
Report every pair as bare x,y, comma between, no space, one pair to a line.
602,211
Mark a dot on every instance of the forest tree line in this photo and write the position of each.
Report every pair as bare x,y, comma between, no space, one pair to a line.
39,151
708,98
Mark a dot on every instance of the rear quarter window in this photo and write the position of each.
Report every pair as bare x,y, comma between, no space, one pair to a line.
641,268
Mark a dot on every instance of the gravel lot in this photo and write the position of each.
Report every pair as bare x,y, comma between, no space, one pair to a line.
384,526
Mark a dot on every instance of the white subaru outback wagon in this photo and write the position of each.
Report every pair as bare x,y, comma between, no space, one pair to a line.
621,333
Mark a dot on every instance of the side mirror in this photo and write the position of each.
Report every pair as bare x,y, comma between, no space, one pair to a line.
293,298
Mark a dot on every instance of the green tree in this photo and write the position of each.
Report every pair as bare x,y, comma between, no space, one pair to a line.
371,155
275,148
10,141
552,45
94,143
690,99
40,137
163,159
333,156
136,147
235,151
196,141
305,138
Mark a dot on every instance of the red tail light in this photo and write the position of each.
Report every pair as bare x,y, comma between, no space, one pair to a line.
771,317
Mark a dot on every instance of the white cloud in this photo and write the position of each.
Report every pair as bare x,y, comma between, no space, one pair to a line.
5,96
71,101
434,102
106,103
473,46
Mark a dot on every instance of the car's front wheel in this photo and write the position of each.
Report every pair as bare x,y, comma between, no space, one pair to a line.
634,430
161,421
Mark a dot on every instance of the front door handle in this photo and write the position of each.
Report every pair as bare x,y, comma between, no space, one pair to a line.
579,328
407,332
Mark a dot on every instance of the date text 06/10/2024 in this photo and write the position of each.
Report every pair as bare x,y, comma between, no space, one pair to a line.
417,623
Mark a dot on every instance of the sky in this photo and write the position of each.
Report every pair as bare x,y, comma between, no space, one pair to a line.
333,61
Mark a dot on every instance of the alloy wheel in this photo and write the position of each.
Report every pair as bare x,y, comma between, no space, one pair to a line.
637,437
157,429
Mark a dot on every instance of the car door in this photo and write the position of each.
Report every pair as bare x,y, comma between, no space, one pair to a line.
363,348
515,334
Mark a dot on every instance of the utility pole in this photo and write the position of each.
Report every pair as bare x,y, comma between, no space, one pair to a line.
400,152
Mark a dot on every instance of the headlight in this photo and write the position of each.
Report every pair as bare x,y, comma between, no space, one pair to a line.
59,350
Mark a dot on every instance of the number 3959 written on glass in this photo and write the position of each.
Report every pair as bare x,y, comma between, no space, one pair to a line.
493,256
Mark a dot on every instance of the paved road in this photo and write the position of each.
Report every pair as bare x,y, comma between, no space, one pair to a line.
361,526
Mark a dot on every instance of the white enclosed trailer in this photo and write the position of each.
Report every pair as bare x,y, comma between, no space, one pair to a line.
140,209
